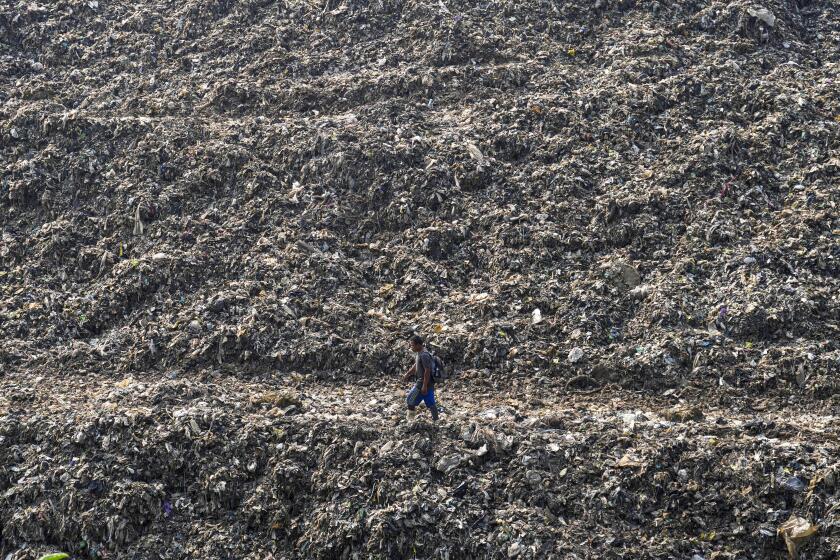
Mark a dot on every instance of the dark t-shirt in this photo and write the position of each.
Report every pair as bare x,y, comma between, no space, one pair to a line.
424,361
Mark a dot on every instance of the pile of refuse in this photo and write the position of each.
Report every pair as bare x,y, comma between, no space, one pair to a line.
216,200
640,192
222,468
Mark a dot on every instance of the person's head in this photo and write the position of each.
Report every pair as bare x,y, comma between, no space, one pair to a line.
416,343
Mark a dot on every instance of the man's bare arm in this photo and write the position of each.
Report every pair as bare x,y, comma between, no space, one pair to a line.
427,378
410,372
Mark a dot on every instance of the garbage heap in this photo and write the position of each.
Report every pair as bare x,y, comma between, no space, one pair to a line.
217,467
639,191
220,220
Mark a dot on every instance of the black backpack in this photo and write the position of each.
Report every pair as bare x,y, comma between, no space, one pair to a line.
438,369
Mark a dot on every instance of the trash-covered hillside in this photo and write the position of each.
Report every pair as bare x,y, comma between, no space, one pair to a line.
616,220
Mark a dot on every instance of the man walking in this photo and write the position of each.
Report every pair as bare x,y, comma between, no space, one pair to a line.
424,382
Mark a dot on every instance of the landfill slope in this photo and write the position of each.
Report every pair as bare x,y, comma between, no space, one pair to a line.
618,199
218,467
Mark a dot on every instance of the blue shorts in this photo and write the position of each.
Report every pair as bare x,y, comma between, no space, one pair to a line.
414,397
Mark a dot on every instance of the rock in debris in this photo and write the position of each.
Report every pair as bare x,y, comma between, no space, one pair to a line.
623,275
763,14
576,354
448,463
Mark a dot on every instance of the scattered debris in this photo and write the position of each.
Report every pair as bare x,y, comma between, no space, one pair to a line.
164,210
156,467
618,221
796,531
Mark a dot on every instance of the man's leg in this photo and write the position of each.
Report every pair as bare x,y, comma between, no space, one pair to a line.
429,399
412,400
